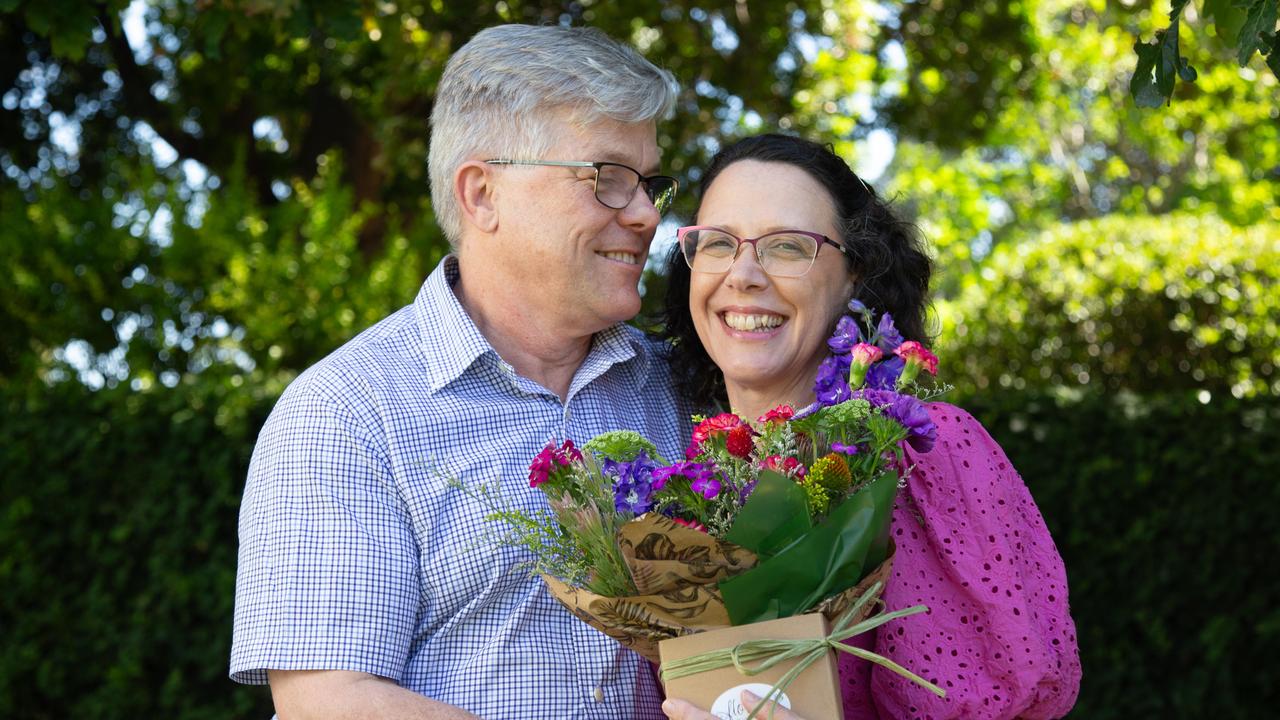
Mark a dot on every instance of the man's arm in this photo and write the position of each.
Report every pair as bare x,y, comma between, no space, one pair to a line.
345,695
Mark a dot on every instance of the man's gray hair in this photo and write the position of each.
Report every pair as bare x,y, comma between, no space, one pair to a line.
503,91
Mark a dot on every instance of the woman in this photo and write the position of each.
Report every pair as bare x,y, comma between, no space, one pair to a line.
749,329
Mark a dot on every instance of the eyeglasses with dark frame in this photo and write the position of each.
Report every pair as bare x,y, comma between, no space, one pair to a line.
783,253
614,183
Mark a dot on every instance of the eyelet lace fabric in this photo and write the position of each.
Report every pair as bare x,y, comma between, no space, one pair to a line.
973,546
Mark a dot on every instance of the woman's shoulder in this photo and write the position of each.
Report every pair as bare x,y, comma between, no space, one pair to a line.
958,430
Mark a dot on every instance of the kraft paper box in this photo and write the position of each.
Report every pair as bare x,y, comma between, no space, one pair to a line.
814,695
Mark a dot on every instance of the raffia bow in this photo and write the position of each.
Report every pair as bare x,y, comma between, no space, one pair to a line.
752,657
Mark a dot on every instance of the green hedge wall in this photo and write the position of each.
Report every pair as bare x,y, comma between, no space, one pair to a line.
1163,510
118,549
118,555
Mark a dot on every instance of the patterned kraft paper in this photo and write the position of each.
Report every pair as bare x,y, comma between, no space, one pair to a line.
676,570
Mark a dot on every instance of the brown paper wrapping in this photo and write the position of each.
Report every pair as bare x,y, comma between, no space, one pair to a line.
815,693
676,570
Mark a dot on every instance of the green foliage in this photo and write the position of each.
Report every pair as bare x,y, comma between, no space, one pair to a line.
1162,509
244,187
1063,141
621,446
1161,65
118,553
1142,304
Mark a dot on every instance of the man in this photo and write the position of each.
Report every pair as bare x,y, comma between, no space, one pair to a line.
362,590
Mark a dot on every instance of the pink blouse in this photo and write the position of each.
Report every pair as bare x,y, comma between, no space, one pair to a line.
972,546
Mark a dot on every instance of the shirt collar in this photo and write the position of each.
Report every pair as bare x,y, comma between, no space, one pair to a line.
452,343
450,339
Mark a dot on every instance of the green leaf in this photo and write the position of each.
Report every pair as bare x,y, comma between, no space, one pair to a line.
1227,18
1261,18
1159,66
824,561
772,518
1272,51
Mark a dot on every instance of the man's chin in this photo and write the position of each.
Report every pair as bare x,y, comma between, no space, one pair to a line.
619,309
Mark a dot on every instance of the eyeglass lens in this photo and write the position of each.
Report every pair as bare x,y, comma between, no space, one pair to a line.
616,185
780,254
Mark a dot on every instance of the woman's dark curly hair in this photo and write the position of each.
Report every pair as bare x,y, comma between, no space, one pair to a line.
883,251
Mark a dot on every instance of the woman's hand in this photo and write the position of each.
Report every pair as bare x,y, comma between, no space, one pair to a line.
677,709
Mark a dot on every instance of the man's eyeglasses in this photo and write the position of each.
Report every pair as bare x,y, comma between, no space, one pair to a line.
785,253
615,184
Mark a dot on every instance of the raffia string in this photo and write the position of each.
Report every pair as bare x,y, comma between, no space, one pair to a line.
752,657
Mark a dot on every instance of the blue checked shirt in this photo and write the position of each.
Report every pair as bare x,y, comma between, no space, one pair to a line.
355,555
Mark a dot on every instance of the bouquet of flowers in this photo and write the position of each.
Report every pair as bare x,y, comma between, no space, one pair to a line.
771,518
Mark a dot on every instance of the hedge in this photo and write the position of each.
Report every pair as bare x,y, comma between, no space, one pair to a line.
1162,510
118,555
118,548
1147,304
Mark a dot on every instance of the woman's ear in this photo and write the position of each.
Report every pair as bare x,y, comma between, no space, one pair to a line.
476,191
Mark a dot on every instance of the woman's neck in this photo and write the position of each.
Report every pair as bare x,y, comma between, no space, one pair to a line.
750,401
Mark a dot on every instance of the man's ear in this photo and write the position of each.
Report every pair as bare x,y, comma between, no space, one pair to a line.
476,192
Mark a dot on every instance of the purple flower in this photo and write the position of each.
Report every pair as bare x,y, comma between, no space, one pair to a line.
831,385
884,374
855,305
909,412
847,335
690,470
890,338
707,486
846,449
633,485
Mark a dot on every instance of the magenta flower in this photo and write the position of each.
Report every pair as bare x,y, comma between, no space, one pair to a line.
707,486
691,471
551,459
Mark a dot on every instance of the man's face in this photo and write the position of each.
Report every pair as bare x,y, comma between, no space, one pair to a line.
563,253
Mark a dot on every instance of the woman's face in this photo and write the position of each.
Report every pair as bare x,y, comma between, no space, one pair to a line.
766,332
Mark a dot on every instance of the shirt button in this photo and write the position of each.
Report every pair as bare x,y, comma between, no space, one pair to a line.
599,694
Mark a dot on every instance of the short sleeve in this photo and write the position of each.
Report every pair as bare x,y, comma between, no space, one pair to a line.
973,546
328,574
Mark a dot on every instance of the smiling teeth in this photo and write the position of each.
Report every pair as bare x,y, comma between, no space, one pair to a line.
752,322
627,258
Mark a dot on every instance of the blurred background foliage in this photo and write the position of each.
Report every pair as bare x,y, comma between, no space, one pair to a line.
200,198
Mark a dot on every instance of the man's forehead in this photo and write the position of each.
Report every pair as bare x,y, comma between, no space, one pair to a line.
606,140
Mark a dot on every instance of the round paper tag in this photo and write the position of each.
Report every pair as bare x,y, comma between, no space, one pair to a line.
729,705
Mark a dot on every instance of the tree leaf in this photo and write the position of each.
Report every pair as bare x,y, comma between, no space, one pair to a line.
1142,86
1227,17
1261,18
1272,51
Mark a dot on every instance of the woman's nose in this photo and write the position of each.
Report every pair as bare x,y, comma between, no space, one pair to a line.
746,271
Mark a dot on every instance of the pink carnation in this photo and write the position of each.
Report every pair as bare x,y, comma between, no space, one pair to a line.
722,423
782,413
916,354
864,354
690,524
787,466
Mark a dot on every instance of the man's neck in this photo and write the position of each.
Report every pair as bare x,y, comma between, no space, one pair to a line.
539,348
